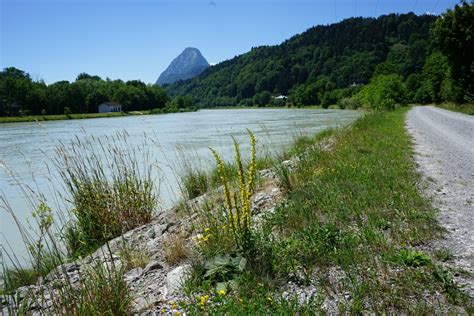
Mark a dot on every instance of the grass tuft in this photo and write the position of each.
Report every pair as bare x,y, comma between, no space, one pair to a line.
110,188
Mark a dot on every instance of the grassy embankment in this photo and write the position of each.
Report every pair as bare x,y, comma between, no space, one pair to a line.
351,227
462,108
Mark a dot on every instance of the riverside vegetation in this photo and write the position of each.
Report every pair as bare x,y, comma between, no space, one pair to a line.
170,108
345,233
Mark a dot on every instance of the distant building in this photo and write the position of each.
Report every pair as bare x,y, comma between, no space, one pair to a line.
281,97
107,107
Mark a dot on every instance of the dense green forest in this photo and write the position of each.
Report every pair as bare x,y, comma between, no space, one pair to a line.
330,64
19,94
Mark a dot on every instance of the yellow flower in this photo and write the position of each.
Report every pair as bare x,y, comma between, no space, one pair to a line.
204,299
206,229
173,305
221,292
163,310
176,314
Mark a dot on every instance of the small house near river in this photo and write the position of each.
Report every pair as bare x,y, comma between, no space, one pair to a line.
108,107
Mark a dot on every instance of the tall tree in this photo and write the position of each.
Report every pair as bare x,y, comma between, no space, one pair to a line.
453,34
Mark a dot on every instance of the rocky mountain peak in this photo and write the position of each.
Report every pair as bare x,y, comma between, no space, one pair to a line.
189,64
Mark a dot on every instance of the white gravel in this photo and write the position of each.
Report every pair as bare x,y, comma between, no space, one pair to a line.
444,146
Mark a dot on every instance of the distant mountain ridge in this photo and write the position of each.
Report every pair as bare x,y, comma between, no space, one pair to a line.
189,64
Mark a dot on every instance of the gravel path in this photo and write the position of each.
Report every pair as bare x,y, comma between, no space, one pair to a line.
444,146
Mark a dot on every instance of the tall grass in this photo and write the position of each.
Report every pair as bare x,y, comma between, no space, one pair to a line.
110,188
44,252
101,291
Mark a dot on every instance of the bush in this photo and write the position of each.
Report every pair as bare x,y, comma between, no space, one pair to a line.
156,111
349,103
383,93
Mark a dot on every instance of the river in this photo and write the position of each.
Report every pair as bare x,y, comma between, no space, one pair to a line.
27,149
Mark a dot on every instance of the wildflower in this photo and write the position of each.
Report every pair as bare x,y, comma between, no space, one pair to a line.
221,292
163,310
173,305
204,299
206,229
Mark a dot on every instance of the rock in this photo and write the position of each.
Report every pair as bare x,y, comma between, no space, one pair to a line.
59,271
167,228
153,265
187,65
267,173
151,234
132,275
175,278
140,304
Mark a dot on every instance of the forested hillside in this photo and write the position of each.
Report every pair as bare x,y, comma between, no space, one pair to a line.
323,65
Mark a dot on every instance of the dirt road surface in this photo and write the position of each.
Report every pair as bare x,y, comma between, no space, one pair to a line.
444,146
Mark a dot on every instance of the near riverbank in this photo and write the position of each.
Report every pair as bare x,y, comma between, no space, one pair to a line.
42,118
334,225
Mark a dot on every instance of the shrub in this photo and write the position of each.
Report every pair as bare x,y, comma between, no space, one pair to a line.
157,111
383,93
349,103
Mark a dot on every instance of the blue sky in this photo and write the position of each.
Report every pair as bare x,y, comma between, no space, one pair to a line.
136,39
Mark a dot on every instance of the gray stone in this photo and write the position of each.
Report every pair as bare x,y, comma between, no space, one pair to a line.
175,278
132,275
153,265
59,271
